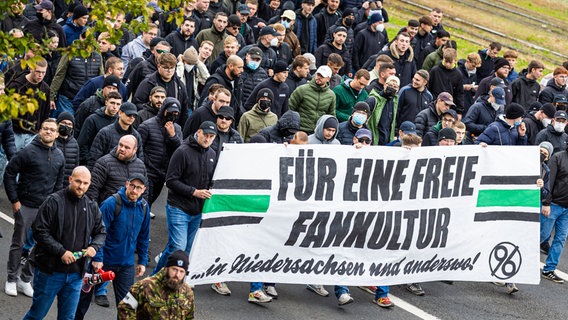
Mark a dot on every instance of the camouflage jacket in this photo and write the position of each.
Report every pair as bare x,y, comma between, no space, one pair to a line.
149,299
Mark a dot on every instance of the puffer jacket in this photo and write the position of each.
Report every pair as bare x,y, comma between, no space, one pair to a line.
346,98
317,137
480,115
110,173
550,91
73,73
250,79
87,108
91,127
346,132
557,139
500,133
279,132
411,102
426,119
7,138
158,144
312,102
70,149
255,120
107,138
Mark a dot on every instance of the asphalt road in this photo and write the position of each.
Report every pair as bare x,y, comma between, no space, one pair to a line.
462,300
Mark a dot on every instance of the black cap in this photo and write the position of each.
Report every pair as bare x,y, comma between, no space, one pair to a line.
138,176
80,11
45,4
559,98
560,115
268,30
129,108
497,82
226,112
171,104
447,133
111,81
265,93
362,106
548,109
154,42
208,127
178,259
234,20
280,66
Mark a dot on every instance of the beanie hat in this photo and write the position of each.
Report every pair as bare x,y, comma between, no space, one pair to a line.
66,116
362,106
548,109
347,12
280,66
111,81
178,259
80,11
500,62
331,122
190,56
514,111
447,133
423,74
548,146
376,17
265,93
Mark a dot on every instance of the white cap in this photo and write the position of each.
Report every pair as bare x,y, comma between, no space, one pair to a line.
324,71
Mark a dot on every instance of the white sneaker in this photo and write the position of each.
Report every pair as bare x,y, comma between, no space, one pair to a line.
152,216
271,291
318,289
25,288
344,298
10,289
221,288
157,258
259,297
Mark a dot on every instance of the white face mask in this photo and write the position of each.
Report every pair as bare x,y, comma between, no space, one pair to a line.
380,27
559,127
189,67
274,42
495,106
545,122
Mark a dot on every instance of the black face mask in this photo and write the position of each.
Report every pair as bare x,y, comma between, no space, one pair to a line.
65,130
264,104
349,22
171,117
542,157
389,92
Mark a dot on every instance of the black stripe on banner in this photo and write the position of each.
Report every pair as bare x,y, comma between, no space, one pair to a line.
506,215
509,179
229,221
243,184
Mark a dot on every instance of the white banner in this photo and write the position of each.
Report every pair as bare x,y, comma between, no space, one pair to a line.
377,215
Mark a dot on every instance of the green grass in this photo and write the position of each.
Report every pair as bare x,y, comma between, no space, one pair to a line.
557,13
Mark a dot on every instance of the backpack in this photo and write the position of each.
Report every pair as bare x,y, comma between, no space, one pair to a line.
118,206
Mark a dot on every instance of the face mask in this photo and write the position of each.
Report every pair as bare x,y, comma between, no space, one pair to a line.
171,117
495,106
349,22
380,27
286,24
274,42
472,72
517,123
189,67
264,104
545,122
253,65
65,130
559,127
389,92
542,157
359,119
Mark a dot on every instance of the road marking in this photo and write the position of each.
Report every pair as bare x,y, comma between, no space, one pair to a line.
412,309
6,217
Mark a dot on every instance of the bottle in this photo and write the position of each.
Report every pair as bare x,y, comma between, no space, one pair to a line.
78,254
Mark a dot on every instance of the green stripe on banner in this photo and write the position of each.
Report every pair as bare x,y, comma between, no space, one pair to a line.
237,203
508,198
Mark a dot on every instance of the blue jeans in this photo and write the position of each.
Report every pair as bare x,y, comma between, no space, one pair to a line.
381,292
557,219
66,286
339,290
182,228
62,104
255,286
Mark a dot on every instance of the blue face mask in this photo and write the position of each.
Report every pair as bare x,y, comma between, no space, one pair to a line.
253,65
517,123
359,119
286,24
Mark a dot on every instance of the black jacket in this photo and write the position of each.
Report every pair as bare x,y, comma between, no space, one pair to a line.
281,93
147,112
467,78
420,43
525,91
534,126
87,108
487,64
366,44
404,65
203,113
40,169
70,149
179,43
557,139
158,144
109,174
480,115
138,73
269,56
410,103
558,164
91,127
8,141
79,70
21,85
447,80
191,167
293,81
40,29
550,91
279,132
426,119
232,136
234,86
324,21
346,132
250,79
49,232
107,138
327,48
485,84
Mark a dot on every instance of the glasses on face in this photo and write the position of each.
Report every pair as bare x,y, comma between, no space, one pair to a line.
135,187
448,120
286,19
364,140
130,115
162,51
224,118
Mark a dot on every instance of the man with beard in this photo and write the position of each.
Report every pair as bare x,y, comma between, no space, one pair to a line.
150,108
502,68
166,287
182,38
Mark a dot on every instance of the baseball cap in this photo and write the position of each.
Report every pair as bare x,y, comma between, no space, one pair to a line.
560,115
452,113
244,9
324,71
408,127
289,14
171,104
129,108
226,112
268,30
497,82
255,52
138,176
234,21
45,4
208,127
499,94
447,98
559,98
364,133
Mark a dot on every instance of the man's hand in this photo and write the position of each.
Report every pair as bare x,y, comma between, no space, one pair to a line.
140,269
68,257
89,252
170,129
97,266
202,193
16,206
522,129
540,183
546,211
483,144
52,105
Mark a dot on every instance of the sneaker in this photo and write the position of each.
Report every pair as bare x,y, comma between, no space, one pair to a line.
25,288
157,258
551,275
499,284
259,297
544,247
221,288
11,289
384,302
318,289
102,301
415,288
271,291
344,298
511,288
369,289
152,216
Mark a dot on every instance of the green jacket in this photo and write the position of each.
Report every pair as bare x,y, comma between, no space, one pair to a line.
218,38
254,120
346,98
433,59
311,102
373,122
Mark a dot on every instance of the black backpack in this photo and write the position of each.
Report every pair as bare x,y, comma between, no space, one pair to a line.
118,207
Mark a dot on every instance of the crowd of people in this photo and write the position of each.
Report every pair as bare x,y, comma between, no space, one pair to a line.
155,109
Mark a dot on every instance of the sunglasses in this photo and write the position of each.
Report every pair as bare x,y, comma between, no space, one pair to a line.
162,51
224,118
364,140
